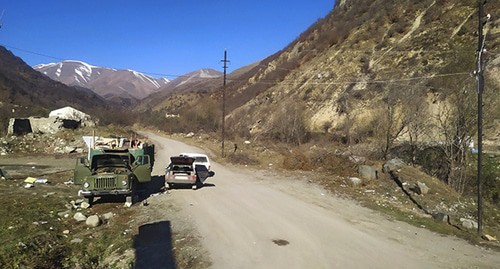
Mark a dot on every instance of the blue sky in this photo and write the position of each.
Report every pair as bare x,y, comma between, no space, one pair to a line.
163,37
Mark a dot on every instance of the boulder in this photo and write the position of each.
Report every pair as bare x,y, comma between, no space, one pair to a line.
79,217
468,224
93,221
368,172
421,188
392,165
64,214
355,181
357,159
84,205
70,114
48,125
441,217
108,216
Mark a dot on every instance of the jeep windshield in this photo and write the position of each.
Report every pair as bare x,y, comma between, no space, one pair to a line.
110,160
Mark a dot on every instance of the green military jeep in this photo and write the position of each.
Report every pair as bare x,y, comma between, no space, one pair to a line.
114,172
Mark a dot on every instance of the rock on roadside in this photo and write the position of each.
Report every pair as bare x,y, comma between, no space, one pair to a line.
79,217
93,221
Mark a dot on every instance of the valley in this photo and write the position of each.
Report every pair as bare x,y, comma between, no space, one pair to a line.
361,143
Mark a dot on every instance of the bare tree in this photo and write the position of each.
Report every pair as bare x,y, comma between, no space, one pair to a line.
415,115
457,125
391,123
289,125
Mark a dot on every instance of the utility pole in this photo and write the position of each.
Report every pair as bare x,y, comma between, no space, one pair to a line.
1,17
225,61
480,88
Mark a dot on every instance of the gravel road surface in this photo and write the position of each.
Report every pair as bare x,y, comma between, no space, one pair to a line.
259,219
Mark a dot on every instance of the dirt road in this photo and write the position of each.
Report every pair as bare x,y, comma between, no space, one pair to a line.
258,219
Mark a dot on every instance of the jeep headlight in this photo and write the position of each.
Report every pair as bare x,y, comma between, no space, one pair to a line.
124,183
86,185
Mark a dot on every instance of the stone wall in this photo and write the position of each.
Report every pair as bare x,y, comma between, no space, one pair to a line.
48,125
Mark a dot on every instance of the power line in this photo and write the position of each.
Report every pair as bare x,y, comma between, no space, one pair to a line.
62,59
269,82
35,53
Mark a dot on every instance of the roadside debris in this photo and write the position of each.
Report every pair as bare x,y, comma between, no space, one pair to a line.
32,180
488,237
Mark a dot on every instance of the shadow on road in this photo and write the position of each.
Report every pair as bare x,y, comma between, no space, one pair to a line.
153,246
157,185
188,186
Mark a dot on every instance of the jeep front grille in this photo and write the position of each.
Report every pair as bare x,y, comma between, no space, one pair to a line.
105,183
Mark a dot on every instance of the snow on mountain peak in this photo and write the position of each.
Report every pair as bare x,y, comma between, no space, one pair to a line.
79,63
156,82
104,81
40,66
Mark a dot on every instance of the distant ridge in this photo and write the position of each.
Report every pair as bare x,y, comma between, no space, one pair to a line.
25,92
127,86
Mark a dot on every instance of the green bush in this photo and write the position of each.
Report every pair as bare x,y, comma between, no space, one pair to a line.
490,175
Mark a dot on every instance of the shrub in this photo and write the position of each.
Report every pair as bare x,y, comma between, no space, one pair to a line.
289,126
297,160
241,158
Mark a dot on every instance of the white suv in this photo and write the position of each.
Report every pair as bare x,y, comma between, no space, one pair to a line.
200,159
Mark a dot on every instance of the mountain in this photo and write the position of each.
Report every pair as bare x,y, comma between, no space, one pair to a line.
25,92
197,83
365,66
121,86
192,78
347,72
